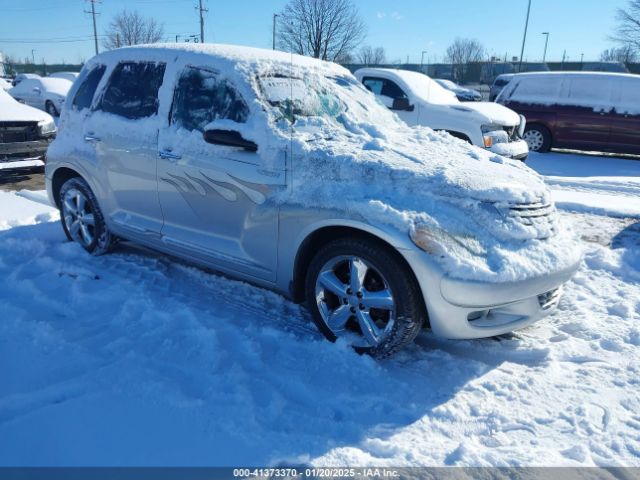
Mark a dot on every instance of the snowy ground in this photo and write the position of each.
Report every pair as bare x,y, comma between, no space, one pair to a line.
137,359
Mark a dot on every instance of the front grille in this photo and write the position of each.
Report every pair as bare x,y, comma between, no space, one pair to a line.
550,299
512,133
15,132
539,214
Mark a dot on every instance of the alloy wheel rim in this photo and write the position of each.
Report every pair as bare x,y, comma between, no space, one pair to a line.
79,217
354,299
534,139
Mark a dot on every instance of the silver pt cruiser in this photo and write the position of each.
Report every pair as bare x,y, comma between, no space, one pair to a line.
285,172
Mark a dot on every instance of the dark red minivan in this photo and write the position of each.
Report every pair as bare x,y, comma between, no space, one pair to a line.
577,110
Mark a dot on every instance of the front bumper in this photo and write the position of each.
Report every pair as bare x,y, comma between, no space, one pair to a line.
465,309
24,150
517,149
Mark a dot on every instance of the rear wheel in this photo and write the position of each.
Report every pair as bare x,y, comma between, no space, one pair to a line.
82,218
538,138
359,290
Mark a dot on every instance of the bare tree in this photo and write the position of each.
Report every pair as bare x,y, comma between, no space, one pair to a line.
131,28
372,56
623,54
461,53
326,29
627,32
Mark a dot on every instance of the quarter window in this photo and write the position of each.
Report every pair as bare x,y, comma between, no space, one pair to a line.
84,95
201,97
133,90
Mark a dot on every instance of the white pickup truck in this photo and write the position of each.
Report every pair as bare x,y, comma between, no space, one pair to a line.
418,100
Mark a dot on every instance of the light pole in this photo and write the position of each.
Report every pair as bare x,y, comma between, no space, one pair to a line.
33,56
524,38
422,60
581,60
546,43
275,15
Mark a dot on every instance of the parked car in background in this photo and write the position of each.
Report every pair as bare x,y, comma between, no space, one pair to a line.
419,100
463,94
498,84
5,84
47,94
71,76
284,171
577,110
25,133
24,76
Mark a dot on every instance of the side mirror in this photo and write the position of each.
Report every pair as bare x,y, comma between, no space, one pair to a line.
36,89
402,103
229,138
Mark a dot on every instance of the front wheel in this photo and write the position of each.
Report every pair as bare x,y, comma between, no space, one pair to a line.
358,289
82,218
538,138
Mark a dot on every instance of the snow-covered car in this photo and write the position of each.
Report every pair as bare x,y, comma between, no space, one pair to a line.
284,171
498,84
418,100
25,133
24,76
462,93
47,94
71,76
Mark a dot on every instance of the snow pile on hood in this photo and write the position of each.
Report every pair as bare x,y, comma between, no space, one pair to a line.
14,111
58,86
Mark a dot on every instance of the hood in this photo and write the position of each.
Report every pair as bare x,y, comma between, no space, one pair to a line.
13,111
492,113
427,163
57,86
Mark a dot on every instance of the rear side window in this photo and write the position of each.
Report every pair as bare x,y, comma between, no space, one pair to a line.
628,100
132,91
500,82
588,91
84,95
201,97
536,90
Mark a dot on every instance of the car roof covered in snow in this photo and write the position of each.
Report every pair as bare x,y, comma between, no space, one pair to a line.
250,58
574,74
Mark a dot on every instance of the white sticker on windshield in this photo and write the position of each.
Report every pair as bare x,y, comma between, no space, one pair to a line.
278,89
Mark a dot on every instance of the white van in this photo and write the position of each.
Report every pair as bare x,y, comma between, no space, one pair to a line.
418,100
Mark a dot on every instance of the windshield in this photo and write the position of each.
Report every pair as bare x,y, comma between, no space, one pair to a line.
316,96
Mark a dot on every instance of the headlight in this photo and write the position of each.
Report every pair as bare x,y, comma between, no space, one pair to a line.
46,127
438,242
492,134
60,100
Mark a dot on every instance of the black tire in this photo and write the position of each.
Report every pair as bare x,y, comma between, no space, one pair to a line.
542,136
102,240
409,306
51,109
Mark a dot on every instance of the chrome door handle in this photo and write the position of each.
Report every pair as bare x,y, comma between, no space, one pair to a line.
91,138
169,155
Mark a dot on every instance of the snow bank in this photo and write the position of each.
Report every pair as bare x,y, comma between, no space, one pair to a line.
134,359
19,208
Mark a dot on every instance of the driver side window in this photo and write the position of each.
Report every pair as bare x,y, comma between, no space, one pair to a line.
202,97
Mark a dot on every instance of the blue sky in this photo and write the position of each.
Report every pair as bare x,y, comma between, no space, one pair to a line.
59,30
